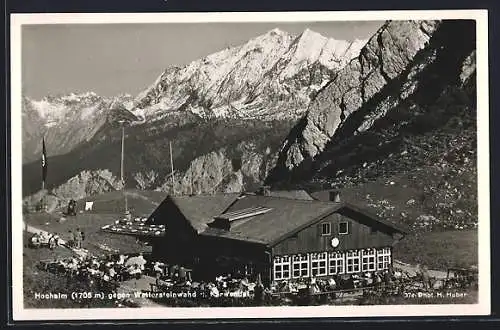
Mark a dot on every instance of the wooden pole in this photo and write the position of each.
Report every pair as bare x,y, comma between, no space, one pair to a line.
122,166
123,148
172,168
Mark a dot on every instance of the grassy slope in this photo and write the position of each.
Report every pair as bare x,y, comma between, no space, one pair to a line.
141,203
440,250
109,206
90,224
436,247
38,281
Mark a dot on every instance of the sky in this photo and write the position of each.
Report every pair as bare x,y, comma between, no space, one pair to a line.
113,59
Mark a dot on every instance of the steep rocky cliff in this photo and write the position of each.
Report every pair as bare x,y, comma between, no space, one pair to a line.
239,169
409,151
86,183
381,60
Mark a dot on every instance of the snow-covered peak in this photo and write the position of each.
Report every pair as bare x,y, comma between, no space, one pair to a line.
275,67
72,97
309,46
274,35
55,110
277,31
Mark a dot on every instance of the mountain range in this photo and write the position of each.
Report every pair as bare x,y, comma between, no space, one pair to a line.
242,102
291,111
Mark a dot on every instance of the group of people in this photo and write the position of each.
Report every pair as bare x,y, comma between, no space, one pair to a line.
111,269
52,240
169,278
76,238
341,282
170,273
71,210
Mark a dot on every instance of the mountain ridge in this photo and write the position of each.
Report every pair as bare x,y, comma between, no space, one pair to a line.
266,62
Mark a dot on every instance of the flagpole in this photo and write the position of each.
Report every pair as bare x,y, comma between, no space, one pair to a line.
44,172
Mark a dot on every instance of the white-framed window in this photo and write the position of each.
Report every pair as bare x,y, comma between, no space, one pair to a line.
336,263
300,265
352,261
318,264
326,229
368,260
343,228
383,258
281,267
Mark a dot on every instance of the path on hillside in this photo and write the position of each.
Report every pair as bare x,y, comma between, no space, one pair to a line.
412,270
131,286
35,230
134,194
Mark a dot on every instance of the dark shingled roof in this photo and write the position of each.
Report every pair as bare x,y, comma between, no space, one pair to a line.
291,194
217,232
201,209
285,216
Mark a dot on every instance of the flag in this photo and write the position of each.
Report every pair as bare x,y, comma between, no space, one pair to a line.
44,162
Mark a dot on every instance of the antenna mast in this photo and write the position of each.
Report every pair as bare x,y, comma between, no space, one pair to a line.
121,165
172,167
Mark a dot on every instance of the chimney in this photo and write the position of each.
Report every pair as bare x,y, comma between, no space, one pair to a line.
335,196
265,191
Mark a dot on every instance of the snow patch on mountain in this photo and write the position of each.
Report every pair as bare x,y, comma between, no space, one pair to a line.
67,120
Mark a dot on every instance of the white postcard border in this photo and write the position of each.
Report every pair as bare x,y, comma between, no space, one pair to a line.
484,299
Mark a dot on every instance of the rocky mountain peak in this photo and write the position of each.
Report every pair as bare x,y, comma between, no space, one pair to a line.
381,60
270,77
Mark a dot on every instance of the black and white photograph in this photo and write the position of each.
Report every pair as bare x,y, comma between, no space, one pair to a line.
250,165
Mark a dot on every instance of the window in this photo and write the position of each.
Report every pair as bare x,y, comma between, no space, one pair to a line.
344,228
335,263
352,261
282,268
318,264
300,264
383,258
368,260
326,229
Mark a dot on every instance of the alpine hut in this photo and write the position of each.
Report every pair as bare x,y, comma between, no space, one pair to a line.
278,237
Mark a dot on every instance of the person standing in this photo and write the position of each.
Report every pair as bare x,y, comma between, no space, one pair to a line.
71,238
78,238
426,278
